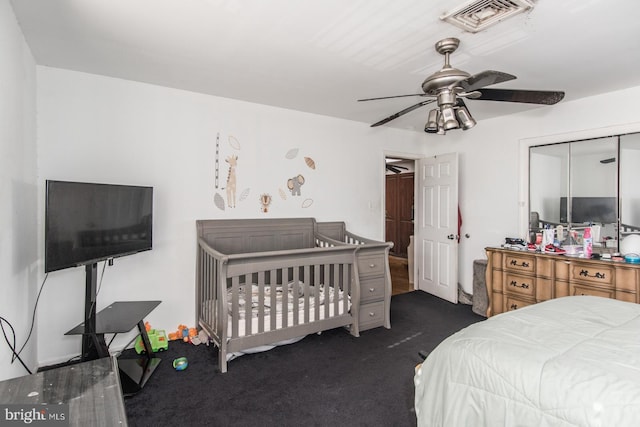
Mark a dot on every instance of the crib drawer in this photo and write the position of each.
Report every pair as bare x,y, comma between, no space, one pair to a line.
371,265
371,289
371,315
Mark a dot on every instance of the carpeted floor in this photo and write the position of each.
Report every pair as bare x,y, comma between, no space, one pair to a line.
331,379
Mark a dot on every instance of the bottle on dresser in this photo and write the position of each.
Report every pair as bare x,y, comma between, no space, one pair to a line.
587,243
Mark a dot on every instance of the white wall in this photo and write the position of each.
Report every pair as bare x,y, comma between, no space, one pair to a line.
18,203
493,168
100,129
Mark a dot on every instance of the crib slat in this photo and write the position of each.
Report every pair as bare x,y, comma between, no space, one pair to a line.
346,287
337,284
295,292
235,306
261,300
307,296
206,285
272,308
328,279
316,283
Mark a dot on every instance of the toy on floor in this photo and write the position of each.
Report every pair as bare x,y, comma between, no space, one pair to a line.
180,364
201,338
183,333
191,335
157,338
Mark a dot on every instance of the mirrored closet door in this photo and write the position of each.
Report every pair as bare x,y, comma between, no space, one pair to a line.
586,183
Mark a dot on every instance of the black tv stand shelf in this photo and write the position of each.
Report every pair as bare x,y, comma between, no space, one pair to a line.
120,317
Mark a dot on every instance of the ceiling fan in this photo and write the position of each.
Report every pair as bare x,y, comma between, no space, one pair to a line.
395,168
448,86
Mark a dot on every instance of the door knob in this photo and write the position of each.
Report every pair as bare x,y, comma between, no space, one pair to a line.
451,237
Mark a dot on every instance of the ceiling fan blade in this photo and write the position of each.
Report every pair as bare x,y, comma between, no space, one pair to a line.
403,112
484,78
393,169
389,97
525,96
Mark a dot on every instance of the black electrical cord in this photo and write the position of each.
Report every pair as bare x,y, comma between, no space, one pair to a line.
33,319
16,355
93,303
12,346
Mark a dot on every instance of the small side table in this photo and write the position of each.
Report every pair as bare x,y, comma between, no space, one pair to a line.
121,317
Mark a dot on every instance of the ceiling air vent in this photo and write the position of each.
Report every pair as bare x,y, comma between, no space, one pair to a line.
477,15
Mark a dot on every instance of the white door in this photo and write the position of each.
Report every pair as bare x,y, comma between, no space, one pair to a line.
436,241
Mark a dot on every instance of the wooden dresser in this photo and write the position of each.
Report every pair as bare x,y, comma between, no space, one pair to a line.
519,278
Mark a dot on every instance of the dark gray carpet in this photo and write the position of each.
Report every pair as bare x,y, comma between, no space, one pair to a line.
331,379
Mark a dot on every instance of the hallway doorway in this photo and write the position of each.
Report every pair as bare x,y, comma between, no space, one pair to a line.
399,215
399,275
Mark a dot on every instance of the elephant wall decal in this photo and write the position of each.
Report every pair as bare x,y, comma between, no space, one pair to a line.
294,184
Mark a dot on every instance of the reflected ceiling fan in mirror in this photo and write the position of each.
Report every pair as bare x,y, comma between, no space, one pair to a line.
448,86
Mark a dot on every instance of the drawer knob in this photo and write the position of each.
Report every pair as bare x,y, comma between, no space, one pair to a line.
522,285
371,314
597,275
513,306
524,263
372,265
372,289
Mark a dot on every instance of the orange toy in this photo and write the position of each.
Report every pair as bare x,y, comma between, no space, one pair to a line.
179,334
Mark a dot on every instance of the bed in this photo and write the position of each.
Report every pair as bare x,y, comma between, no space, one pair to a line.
266,282
564,362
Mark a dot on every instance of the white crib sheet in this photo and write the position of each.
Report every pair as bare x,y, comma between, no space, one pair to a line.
282,299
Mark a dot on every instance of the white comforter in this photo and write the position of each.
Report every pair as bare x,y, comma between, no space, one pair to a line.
572,361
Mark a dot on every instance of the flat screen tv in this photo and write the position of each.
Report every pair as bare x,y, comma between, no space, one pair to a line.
598,210
86,222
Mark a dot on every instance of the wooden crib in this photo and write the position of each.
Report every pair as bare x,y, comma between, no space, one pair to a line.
263,281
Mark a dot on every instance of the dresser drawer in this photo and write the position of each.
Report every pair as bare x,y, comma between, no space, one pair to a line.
578,289
592,273
520,262
372,289
371,315
371,265
521,285
514,303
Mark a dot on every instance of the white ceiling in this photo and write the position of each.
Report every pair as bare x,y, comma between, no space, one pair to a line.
320,56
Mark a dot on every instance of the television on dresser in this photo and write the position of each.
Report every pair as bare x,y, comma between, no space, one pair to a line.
86,223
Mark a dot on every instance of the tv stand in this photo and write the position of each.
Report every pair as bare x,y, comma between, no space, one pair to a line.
119,317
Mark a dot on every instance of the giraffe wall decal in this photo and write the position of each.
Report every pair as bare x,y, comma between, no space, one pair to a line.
231,181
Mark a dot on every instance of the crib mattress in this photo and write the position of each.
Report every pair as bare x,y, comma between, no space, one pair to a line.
289,304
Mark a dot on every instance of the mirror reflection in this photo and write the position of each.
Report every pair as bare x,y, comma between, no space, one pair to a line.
629,189
574,186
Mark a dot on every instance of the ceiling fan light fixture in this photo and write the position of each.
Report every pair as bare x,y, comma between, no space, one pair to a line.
464,118
448,118
432,121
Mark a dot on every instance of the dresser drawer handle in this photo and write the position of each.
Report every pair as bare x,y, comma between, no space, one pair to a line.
513,306
522,285
372,289
524,263
372,314
598,275
372,266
